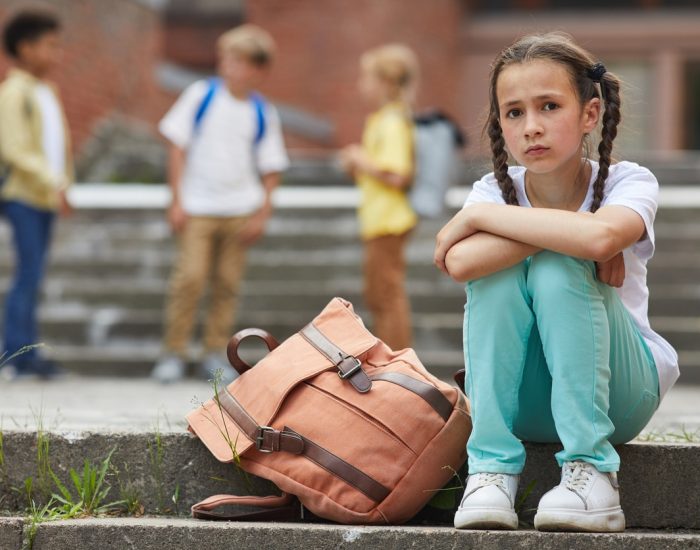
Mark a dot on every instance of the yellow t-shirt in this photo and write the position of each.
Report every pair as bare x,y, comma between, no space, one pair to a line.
388,142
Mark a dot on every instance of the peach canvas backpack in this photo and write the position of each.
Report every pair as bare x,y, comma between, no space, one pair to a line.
359,433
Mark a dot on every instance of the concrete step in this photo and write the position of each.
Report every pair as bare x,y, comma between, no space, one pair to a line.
135,358
654,494
88,294
123,358
678,268
183,534
102,326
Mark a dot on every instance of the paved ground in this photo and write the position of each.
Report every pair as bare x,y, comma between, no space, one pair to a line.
138,405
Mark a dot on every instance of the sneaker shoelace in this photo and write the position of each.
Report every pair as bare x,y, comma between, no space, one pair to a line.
577,476
486,479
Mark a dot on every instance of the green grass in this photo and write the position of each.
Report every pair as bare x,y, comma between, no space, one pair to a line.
679,435
35,516
4,360
155,455
91,491
129,493
216,385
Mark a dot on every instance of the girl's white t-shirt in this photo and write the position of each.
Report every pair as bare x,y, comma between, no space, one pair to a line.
222,172
635,187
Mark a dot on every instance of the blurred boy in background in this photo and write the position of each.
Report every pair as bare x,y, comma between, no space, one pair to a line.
36,170
226,157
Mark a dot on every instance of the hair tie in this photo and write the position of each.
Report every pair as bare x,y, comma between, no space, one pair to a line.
596,72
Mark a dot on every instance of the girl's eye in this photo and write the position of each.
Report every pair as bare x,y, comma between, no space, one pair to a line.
513,113
550,106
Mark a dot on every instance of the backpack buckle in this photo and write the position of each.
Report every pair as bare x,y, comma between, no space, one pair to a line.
260,438
344,375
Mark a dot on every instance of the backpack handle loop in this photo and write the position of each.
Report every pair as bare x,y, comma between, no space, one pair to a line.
232,349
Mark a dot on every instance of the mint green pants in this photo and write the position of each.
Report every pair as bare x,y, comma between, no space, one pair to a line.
552,355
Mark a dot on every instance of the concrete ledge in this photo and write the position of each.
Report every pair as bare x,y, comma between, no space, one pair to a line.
11,533
659,481
181,534
134,195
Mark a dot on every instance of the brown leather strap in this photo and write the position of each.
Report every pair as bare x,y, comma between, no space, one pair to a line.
266,439
349,367
429,393
345,471
281,508
232,349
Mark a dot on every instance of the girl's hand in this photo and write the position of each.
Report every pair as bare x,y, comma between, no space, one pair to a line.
611,272
457,229
352,157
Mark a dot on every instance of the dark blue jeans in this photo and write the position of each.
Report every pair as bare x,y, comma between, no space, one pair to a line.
31,230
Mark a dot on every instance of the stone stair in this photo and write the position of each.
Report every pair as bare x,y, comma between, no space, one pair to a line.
101,312
168,472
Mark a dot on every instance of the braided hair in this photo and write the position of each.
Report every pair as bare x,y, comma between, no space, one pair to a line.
590,80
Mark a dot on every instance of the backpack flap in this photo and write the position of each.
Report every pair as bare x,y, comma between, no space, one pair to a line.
261,391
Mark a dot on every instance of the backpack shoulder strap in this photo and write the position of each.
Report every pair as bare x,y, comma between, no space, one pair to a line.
213,85
259,104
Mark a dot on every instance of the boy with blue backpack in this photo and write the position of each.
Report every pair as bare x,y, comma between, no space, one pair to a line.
225,159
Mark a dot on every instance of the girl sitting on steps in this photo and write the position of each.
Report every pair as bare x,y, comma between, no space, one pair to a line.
557,342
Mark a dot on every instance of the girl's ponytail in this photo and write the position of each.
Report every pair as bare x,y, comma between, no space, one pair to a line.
500,161
610,92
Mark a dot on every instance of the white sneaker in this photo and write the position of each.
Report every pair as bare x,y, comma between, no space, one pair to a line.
488,502
214,363
168,369
585,500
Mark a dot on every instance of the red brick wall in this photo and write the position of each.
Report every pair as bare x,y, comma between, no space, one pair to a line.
320,44
111,51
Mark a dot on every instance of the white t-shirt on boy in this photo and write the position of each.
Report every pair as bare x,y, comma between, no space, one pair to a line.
635,187
222,172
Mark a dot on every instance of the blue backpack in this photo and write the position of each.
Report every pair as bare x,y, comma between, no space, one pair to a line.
258,103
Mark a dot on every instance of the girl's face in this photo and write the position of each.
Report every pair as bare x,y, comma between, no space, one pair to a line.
374,90
541,115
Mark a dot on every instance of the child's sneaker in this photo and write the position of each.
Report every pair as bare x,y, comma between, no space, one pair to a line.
214,363
168,369
488,502
585,500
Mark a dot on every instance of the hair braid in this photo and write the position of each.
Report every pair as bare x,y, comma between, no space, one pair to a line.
610,90
500,161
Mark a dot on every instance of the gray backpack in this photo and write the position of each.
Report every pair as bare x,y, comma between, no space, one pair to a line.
438,141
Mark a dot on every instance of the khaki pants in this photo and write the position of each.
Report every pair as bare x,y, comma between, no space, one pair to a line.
209,248
385,292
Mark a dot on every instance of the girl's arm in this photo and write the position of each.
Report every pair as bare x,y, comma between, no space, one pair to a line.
354,160
483,254
599,237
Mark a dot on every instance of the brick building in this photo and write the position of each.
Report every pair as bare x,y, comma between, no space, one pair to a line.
124,66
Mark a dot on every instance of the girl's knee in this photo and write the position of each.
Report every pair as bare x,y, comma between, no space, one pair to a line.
551,271
630,422
502,282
